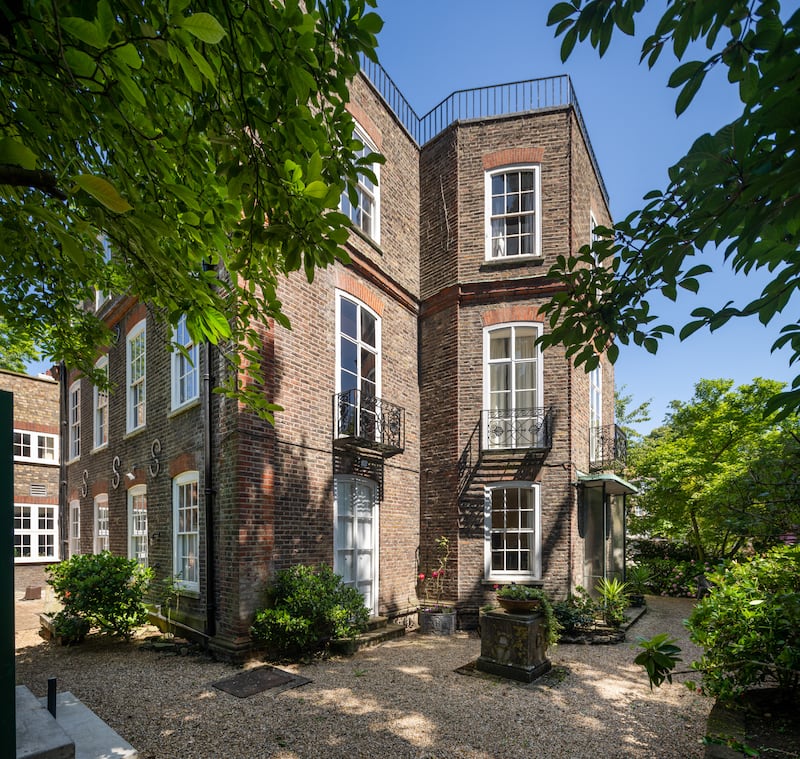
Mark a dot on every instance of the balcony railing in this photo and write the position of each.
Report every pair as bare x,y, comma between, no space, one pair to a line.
364,422
608,446
480,102
521,428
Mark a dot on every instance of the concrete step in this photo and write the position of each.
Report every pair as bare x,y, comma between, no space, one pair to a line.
39,736
373,637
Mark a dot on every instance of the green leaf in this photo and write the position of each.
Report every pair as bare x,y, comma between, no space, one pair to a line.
85,31
14,153
568,43
104,192
129,55
684,73
372,23
688,92
559,12
203,26
316,189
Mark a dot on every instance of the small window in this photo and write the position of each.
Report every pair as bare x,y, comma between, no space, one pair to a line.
75,421
136,375
513,542
74,528
512,213
101,531
186,527
101,407
35,533
137,524
38,447
185,367
365,213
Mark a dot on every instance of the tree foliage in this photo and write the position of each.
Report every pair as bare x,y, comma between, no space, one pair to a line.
719,474
15,350
206,146
735,189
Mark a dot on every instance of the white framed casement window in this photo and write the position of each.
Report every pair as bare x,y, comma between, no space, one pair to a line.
35,447
365,213
135,373
137,524
512,545
74,528
101,531
596,413
186,529
513,212
512,386
35,532
74,410
185,367
100,405
358,375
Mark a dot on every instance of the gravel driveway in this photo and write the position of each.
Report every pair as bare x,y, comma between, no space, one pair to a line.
401,699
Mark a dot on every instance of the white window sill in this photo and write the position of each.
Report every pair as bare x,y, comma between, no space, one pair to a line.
99,448
132,433
513,259
178,410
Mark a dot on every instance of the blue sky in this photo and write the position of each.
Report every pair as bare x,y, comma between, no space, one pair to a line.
434,47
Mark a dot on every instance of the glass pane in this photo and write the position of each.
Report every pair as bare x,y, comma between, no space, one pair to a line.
500,344
526,180
367,328
525,498
349,316
526,520
512,246
512,225
497,500
525,375
528,202
525,342
512,182
368,365
497,561
349,355
499,377
500,402
347,381
512,204
497,209
498,226
526,246
512,562
512,520
498,184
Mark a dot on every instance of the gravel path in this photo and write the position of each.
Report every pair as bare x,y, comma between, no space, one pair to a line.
401,699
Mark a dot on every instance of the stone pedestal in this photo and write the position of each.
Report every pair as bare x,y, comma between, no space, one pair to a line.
513,645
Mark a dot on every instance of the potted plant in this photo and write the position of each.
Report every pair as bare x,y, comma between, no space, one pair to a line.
613,600
435,618
69,628
637,578
520,598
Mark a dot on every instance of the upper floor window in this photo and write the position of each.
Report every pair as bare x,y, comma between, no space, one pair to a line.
365,212
513,212
514,417
74,420
101,407
185,367
135,376
101,533
39,447
513,536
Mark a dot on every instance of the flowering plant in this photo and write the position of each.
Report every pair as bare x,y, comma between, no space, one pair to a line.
519,592
432,583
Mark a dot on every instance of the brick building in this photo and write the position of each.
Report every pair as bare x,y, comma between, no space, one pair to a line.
416,403
36,473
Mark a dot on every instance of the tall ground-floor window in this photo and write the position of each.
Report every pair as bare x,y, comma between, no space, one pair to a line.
186,526
137,524
101,538
512,532
74,528
356,536
35,532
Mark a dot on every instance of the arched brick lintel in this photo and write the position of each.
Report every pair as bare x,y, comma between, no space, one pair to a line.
355,287
509,314
511,156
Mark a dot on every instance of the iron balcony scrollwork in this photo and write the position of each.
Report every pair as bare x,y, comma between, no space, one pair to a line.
608,446
520,428
363,421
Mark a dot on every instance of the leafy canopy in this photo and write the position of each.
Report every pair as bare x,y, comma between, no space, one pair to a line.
735,189
719,474
206,150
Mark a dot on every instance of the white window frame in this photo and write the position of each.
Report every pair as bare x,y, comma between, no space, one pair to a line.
137,528
32,514
534,573
100,408
184,480
101,297
74,411
74,528
102,518
489,362
136,377
185,371
495,252
355,213
35,442
377,349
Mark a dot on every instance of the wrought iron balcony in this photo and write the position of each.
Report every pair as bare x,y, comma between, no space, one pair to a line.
364,422
517,429
608,446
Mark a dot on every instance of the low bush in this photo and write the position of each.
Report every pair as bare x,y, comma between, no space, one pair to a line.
104,590
576,613
749,625
308,607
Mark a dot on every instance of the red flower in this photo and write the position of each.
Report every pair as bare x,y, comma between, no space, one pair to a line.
421,575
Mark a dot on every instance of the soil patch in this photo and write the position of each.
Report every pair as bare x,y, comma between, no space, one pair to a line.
772,726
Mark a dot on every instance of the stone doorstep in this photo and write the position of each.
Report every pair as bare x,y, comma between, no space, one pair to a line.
372,637
76,733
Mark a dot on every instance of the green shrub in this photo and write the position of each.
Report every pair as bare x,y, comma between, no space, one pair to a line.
308,606
576,612
613,600
103,589
749,625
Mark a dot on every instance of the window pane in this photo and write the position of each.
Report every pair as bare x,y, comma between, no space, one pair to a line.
367,328
498,184
349,356
525,343
349,318
526,180
512,183
500,344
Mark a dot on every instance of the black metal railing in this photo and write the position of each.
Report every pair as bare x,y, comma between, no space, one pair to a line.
364,421
608,445
521,428
470,458
480,102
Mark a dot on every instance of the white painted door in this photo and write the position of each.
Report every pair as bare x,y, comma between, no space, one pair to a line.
356,536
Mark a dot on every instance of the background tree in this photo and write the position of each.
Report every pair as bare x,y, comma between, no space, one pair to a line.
628,416
716,475
736,189
204,150
15,350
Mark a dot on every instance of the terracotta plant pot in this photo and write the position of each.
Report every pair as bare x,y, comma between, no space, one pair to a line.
518,605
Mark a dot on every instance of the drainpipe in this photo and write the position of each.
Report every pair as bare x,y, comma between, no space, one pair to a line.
211,578
63,513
